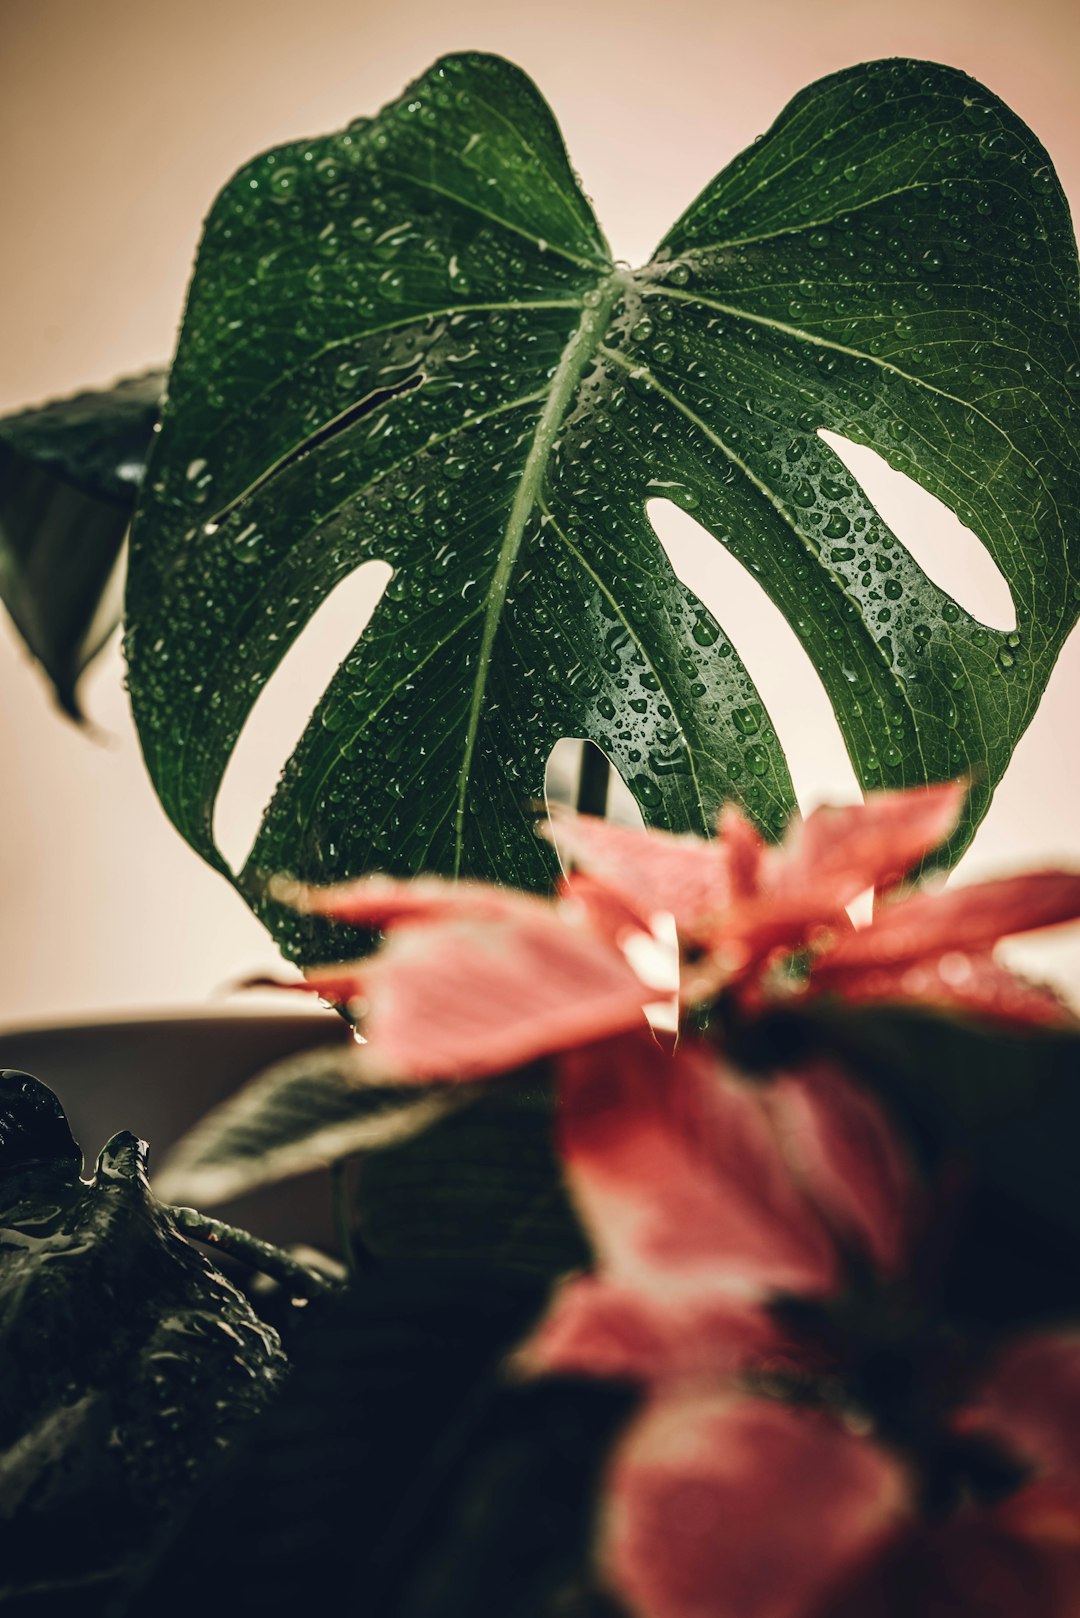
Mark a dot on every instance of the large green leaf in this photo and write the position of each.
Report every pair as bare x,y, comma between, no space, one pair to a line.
69,472
409,341
126,1361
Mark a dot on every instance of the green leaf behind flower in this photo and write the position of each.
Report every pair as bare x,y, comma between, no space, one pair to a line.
410,341
69,473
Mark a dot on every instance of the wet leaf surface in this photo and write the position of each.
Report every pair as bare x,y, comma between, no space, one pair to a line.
409,341
128,1361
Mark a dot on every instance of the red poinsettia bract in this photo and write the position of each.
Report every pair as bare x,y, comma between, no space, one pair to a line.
721,1504
742,907
733,1221
756,1481
474,979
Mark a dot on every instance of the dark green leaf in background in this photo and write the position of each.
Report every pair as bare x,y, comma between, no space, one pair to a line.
69,473
992,1112
409,341
482,1185
298,1115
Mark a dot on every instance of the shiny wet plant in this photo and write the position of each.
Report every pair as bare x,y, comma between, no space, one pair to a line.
700,1252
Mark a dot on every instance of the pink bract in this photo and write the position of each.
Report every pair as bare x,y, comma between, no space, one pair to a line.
723,1209
473,979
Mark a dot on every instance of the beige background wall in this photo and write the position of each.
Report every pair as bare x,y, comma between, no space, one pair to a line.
119,120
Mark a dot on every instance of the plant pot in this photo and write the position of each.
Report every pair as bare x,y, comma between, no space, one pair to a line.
158,1075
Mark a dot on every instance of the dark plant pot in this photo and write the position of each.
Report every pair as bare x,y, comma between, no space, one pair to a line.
158,1075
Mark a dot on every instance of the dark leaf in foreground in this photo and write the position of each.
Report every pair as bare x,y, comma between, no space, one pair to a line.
400,1474
127,1360
482,1185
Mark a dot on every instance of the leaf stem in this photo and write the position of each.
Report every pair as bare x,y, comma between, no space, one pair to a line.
592,794
301,1281
339,1199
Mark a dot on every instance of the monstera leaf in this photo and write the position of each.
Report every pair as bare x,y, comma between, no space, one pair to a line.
409,341
128,1362
68,476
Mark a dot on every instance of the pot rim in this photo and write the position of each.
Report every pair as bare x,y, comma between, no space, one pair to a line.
303,1010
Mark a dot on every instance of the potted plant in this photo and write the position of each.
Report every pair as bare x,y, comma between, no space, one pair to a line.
697,1250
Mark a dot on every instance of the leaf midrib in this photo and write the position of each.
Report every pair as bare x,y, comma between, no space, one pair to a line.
583,346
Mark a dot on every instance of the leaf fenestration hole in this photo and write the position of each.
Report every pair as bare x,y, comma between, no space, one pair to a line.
775,659
655,959
950,554
561,778
285,705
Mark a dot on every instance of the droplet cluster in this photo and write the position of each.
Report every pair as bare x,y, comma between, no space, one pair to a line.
408,342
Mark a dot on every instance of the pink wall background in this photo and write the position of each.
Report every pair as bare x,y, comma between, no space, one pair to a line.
118,122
